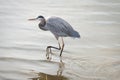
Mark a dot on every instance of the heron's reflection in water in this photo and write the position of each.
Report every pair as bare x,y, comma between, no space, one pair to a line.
58,76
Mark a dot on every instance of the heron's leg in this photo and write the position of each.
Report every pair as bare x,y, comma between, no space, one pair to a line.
59,45
52,47
62,47
49,51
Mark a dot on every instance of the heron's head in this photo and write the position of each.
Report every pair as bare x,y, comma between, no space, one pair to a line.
38,18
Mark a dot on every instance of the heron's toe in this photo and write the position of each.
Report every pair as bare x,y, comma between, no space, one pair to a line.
49,58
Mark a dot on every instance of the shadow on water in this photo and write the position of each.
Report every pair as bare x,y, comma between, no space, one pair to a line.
46,76
41,69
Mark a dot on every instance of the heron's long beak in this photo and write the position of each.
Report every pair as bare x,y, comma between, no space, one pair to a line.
32,19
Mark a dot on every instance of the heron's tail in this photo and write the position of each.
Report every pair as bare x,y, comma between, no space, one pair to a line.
75,34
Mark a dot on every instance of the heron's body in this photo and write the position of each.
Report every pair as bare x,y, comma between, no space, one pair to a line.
59,27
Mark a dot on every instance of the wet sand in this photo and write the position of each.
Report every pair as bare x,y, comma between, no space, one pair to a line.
95,56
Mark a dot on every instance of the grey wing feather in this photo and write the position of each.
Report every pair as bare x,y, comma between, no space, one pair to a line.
59,27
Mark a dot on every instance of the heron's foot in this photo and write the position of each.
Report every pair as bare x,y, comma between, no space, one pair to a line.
48,57
48,54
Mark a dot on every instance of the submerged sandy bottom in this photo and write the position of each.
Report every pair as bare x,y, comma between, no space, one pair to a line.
95,56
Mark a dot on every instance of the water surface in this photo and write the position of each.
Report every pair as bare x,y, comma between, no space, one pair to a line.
95,56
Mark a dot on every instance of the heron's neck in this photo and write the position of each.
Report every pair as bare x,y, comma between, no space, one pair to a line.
42,24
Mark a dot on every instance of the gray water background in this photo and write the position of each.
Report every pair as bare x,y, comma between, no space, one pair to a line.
95,56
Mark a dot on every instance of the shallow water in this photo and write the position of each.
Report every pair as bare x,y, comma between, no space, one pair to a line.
95,56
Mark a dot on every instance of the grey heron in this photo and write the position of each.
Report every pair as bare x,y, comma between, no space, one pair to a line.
59,27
